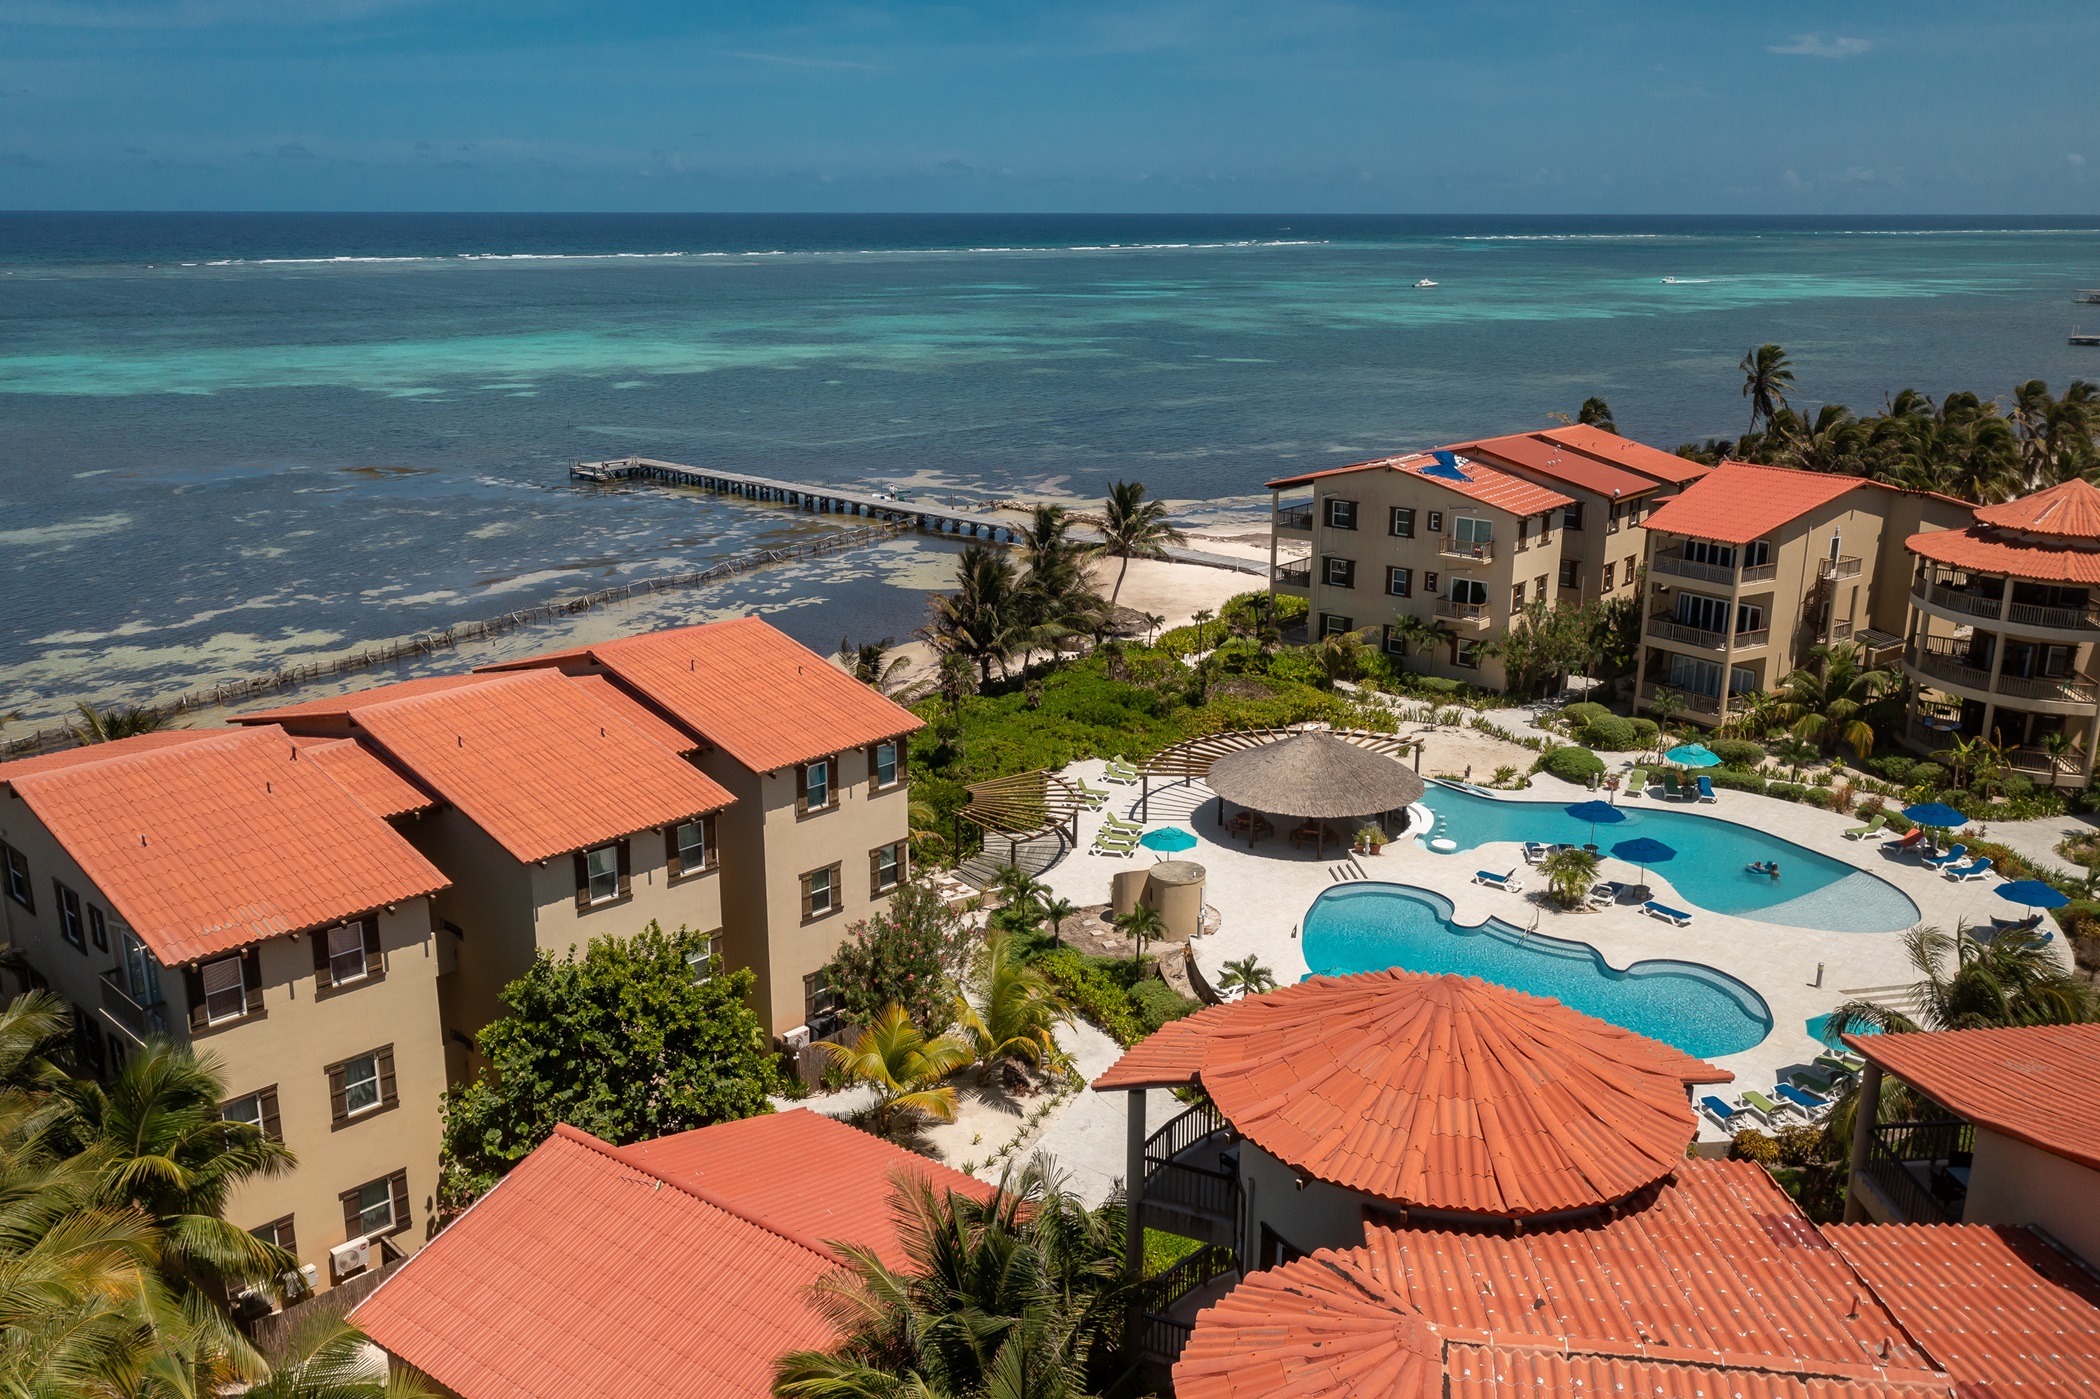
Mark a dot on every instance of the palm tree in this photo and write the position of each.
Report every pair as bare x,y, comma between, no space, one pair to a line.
1825,701
1141,925
1569,874
904,1068
1767,377
1247,977
1134,528
1020,891
1202,618
1057,911
328,1358
1967,984
1666,705
1595,412
988,617
1341,653
872,664
2058,746
117,721
1016,1010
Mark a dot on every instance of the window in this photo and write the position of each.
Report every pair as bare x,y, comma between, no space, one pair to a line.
1333,625
603,875
1467,654
1469,590
87,1042
1397,581
377,1208
820,893
18,886
1394,643
1436,522
225,990
71,924
1403,526
279,1232
141,969
1571,516
1429,582
816,786
1539,588
362,1086
1707,552
1341,514
1571,573
1700,611
700,961
344,951
1524,532
689,848
1546,528
1338,573
886,764
885,868
1472,532
1611,521
1516,598
98,923
820,1005
1610,573
258,1110
1630,559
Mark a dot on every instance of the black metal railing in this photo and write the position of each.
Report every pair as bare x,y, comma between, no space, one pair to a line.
1294,575
1294,517
1162,1336
143,1021
1912,1164
1184,1131
1209,1188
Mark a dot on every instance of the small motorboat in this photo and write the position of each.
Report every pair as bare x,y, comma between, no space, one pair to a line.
1425,282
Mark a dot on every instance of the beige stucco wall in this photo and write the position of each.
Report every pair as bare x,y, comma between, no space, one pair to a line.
1319,1216
2011,1182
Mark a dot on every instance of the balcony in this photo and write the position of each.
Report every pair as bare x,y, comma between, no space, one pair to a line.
1958,600
1691,701
1921,1169
1663,627
2055,618
1467,550
139,1022
1674,561
1474,615
1297,574
1297,518
1192,1182
1947,661
2052,689
1838,568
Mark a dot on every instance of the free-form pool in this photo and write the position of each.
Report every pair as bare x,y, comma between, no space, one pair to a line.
1369,927
1812,891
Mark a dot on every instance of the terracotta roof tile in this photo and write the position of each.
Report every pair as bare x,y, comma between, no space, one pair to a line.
1987,551
2039,1084
99,752
1440,1092
1624,451
1472,479
747,688
741,1161
1994,1306
1737,502
538,762
339,707
641,716
1536,451
2070,510
238,836
366,776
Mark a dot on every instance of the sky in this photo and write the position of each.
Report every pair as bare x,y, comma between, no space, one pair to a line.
1612,106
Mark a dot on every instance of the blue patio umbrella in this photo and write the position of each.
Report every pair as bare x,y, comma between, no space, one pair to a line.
1643,851
1693,755
1596,813
1169,839
2033,893
1934,814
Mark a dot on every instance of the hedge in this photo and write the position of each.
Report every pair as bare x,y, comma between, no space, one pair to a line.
1612,734
1577,765
1923,774
1584,713
1734,779
1645,731
1094,994
1155,1003
1737,752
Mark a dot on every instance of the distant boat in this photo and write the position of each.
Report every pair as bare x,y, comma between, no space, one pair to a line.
2085,339
1425,282
1669,281
2087,296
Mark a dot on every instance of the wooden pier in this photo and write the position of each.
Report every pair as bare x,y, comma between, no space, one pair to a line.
819,500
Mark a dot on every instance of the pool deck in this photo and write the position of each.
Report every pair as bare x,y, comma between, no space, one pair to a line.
1262,896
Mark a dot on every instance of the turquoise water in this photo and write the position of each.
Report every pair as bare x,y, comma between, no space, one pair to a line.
1812,891
1370,927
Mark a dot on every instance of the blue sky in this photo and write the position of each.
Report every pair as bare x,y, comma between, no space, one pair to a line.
1612,106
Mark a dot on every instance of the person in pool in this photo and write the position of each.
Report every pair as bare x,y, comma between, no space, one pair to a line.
1766,867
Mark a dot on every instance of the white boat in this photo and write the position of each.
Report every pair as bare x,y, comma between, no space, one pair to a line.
1425,282
1669,281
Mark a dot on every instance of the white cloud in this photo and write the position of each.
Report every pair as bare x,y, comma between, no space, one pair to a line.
1816,46
2075,158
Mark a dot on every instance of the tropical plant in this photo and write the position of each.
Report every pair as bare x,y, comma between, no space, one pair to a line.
328,1358
1767,378
1011,1012
1246,977
117,721
872,664
1021,892
1201,618
990,617
1968,984
1055,912
1570,872
1141,925
1341,654
2057,745
1825,701
908,954
1666,704
1133,527
905,1069
1595,412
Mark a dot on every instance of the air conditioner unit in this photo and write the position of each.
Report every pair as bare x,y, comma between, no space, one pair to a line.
302,1281
347,1258
796,1039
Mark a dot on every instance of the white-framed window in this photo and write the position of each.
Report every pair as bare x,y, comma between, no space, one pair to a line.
1610,577
1467,655
885,763
817,785
1468,590
1333,625
360,1084
692,845
1571,573
225,990
1341,514
1403,526
1338,572
820,893
346,954
247,1108
700,960
1470,531
72,923
603,869
1399,582
375,1208
885,868
1516,597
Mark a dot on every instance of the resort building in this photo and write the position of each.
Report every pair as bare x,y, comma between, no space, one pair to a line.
2001,632
671,1269
242,892
1751,567
817,837
1613,483
1433,551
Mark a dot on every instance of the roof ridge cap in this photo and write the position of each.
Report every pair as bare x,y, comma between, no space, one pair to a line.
230,736
633,1162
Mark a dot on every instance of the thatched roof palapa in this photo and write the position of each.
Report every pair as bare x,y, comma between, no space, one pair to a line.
1314,775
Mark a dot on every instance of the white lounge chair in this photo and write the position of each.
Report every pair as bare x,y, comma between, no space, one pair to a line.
1492,880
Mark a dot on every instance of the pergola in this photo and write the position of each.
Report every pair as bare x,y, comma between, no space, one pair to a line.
1024,806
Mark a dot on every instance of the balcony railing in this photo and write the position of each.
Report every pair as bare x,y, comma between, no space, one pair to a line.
1946,667
1956,600
1294,575
2056,689
1671,561
1664,627
2056,618
1760,572
1298,517
140,1022
1165,1335
1476,612
1921,1168
1473,550
1181,1181
1953,665
1845,567
1692,701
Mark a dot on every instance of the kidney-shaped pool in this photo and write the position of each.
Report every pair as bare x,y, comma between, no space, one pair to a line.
1370,927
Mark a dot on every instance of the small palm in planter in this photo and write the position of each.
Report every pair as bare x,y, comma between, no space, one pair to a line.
1370,840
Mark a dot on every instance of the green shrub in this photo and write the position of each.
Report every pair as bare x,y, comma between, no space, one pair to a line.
1584,713
2017,787
1735,779
1612,734
1155,1003
1786,791
1645,731
1895,820
1571,764
1818,797
1737,752
2005,860
1925,774
1891,767
1093,993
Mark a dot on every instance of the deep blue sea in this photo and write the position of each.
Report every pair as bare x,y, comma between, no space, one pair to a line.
230,442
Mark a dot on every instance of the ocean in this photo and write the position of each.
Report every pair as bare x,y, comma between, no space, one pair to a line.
236,442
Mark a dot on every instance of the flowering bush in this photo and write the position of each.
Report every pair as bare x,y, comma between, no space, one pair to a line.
908,955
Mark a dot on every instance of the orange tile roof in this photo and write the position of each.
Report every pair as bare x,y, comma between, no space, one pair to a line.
97,752
741,1161
1710,1284
366,776
1737,502
2039,1084
1986,551
583,1272
213,844
1996,1307
1439,1092
1475,480
748,688
602,689
538,762
2070,510
1624,451
339,707
1536,451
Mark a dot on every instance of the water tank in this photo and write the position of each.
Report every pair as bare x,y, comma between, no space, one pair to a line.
1175,888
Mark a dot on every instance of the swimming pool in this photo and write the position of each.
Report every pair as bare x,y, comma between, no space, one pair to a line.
1369,927
1812,891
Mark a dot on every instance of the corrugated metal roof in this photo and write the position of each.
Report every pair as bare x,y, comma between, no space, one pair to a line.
1441,1092
1475,480
1737,502
210,845
2070,510
1535,451
2039,1084
1995,1307
1984,550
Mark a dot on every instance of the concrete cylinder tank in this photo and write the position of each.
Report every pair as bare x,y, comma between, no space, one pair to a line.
1175,888
1124,891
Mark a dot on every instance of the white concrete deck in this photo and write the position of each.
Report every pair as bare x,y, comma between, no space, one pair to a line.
1263,895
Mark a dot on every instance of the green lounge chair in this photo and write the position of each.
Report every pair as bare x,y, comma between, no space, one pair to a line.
1121,773
1637,782
1671,790
1820,1080
1109,841
1112,822
1874,823
1094,797
1764,1107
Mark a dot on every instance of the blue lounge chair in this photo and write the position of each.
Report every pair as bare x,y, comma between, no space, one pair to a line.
1975,869
1724,1116
1706,790
1952,857
2016,925
1668,915
1811,1103
1498,881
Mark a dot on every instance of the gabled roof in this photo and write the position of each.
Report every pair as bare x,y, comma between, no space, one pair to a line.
1442,1093
538,762
366,776
1635,456
674,1269
1737,502
1535,451
2039,1084
2069,511
339,707
741,1161
237,836
1475,480
100,752
747,688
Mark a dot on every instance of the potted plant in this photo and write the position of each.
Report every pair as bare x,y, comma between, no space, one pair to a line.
1370,840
